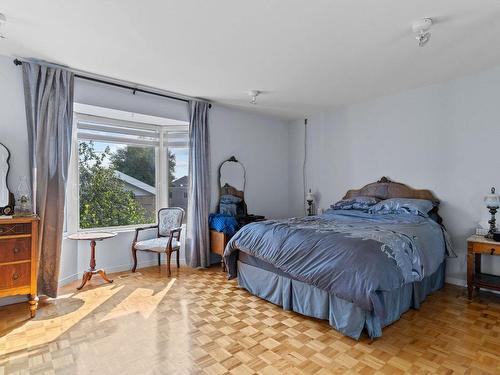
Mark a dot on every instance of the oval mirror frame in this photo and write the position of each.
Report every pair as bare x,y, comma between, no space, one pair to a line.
227,189
6,196
232,172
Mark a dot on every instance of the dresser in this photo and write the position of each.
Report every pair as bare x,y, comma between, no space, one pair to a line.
477,246
18,258
218,242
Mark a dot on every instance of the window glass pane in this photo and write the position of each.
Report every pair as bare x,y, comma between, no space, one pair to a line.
178,179
117,184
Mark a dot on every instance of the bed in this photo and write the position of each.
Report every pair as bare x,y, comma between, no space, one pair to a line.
356,269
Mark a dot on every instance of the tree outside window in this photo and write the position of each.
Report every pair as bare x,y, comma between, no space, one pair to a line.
118,184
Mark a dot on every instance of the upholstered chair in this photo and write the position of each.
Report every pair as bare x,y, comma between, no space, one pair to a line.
168,236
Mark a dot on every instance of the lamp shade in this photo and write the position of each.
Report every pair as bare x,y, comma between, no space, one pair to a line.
492,200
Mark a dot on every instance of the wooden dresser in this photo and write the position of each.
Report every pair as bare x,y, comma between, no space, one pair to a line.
18,258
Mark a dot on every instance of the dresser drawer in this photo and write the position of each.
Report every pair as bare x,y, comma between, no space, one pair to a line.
14,249
15,275
486,248
18,228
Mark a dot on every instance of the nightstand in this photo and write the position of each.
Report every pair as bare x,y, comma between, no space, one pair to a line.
476,247
218,242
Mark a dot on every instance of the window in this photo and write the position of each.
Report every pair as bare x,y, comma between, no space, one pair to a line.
117,184
178,179
120,169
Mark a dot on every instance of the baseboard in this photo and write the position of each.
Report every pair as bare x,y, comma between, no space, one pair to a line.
68,279
13,299
119,268
455,281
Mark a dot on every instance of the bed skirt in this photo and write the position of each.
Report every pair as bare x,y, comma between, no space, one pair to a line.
344,316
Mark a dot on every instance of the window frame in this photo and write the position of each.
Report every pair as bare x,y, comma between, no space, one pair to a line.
161,169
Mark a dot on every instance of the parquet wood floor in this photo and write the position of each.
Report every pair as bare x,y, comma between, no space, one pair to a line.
199,323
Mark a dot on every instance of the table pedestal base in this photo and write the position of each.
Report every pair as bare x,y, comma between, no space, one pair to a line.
88,275
92,271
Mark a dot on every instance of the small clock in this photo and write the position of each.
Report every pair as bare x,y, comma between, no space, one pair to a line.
7,210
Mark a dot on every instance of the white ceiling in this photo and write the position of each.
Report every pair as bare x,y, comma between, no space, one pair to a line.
304,55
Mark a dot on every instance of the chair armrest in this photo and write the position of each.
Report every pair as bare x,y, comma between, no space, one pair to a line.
137,230
176,231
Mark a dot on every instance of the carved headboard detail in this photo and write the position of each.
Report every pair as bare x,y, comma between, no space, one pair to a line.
385,189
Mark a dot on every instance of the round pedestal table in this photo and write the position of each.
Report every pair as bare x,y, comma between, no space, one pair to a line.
92,237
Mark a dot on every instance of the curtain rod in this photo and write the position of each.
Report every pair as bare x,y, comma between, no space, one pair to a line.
18,62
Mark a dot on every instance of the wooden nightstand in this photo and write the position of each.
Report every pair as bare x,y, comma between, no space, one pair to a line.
477,246
218,242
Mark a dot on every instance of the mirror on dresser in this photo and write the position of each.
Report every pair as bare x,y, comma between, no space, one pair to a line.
6,197
232,180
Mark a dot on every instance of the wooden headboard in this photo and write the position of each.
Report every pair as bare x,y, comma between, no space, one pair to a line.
385,189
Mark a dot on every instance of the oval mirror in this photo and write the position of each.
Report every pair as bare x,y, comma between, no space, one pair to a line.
5,194
232,173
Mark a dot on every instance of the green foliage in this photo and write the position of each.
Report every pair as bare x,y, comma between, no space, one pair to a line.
139,162
104,200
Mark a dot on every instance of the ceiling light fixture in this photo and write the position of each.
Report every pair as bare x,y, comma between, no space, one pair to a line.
3,21
421,29
253,94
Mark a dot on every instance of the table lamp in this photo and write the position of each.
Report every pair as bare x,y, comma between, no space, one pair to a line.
310,201
492,202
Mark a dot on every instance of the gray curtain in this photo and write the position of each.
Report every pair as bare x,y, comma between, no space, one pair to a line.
48,93
197,239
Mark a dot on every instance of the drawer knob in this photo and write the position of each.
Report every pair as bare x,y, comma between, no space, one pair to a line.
16,250
15,276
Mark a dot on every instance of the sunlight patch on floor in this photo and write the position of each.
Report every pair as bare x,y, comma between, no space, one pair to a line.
141,300
41,330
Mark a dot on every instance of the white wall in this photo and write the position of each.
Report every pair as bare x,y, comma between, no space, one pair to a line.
13,132
260,142
444,137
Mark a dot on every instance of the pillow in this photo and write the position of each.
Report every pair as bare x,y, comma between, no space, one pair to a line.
403,206
356,203
230,199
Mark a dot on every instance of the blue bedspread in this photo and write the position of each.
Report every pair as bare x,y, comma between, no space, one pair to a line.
354,255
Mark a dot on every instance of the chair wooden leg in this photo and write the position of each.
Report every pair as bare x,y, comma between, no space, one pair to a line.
178,264
159,259
169,254
134,256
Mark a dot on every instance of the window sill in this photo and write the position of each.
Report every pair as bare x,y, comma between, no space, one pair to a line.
109,229
114,229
